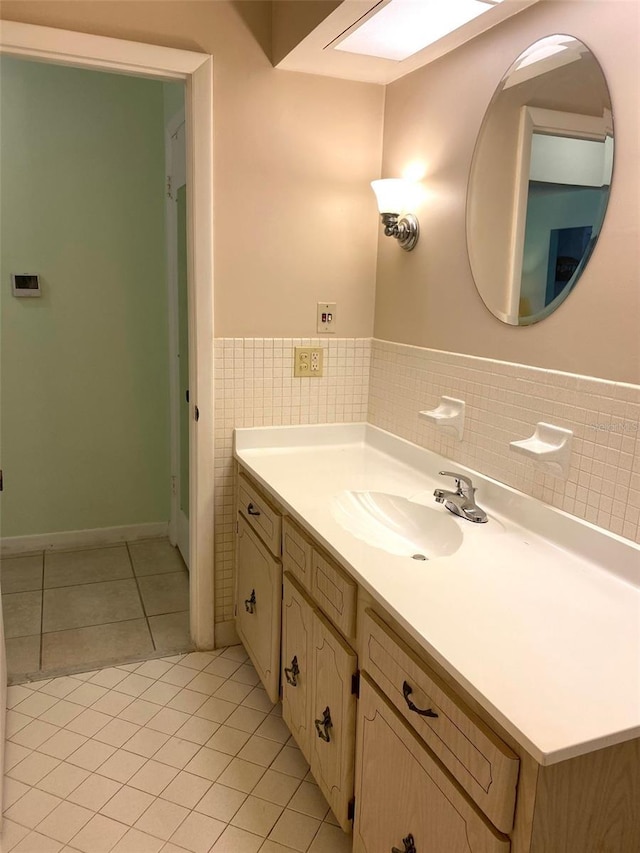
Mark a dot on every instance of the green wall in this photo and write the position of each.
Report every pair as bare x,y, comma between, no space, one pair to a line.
84,369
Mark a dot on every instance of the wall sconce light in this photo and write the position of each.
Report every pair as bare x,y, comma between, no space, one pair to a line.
392,195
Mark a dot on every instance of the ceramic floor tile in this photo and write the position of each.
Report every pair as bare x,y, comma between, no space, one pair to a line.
12,833
168,593
94,792
33,807
14,722
160,692
236,840
35,704
221,802
257,816
233,691
21,574
16,694
122,765
63,779
62,713
155,557
146,742
178,675
208,763
207,684
65,821
36,842
223,667
273,728
91,755
154,668
171,630
228,740
135,685
198,730
127,805
22,613
236,653
100,835
162,818
167,721
246,674
96,644
14,754
113,703
291,761
198,660
139,712
90,604
33,768
331,839
34,734
187,700
153,777
177,752
242,775
308,799
260,751
68,568
59,687
295,830
135,841
197,832
89,722
117,732
243,718
276,787
23,656
186,789
12,791
259,701
109,677
62,744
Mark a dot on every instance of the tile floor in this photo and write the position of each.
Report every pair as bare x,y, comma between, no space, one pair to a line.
65,610
182,753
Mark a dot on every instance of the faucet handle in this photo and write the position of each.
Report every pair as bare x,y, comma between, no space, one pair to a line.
460,478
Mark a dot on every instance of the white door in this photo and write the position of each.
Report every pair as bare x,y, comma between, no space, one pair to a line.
179,332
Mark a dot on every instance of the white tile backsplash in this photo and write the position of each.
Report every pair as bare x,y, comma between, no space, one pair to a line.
255,386
388,384
504,401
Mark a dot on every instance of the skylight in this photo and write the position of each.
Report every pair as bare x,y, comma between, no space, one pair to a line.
403,27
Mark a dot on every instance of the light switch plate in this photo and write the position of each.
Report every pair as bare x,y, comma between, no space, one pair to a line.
308,361
326,318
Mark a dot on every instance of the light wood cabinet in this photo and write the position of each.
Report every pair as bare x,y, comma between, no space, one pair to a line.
297,648
319,677
258,606
405,800
333,703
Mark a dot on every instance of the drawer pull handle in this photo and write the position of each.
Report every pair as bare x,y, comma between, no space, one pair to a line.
294,669
407,690
252,510
326,724
250,603
409,846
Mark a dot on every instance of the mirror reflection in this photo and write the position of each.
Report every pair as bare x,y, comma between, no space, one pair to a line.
540,180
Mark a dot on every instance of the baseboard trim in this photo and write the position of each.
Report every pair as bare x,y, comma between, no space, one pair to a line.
225,634
67,540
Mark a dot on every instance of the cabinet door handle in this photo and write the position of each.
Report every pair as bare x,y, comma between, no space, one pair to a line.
250,603
252,510
324,724
407,690
409,846
291,673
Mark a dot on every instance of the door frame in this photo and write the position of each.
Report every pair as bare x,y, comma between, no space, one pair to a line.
66,47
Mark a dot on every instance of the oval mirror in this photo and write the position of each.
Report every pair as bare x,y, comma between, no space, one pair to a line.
540,180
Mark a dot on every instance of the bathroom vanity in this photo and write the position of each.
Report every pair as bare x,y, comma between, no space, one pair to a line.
454,686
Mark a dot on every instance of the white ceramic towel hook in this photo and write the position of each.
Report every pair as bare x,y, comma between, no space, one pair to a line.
549,447
449,415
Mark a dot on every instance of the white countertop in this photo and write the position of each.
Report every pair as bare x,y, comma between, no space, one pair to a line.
543,631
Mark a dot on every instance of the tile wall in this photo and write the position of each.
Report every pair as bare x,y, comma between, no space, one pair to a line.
504,401
388,384
255,386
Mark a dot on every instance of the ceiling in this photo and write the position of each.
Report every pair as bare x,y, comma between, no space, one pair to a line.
308,36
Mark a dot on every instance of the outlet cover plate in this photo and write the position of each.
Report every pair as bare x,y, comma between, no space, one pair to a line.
308,361
326,318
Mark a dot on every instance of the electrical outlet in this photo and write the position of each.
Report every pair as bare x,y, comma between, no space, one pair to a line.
326,318
307,361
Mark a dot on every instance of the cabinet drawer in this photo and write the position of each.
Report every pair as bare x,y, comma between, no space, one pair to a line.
260,515
483,765
258,603
402,793
296,553
334,592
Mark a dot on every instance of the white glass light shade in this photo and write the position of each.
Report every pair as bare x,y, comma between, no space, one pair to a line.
393,194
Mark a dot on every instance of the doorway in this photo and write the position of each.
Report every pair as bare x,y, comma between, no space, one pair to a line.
85,51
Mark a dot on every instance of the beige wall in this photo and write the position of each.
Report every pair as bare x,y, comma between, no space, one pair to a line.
428,297
295,223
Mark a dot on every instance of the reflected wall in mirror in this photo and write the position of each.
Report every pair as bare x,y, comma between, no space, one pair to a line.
540,180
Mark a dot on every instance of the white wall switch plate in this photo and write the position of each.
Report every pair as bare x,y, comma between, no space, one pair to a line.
326,318
308,361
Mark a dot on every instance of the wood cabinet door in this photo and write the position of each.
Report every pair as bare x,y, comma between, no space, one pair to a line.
258,603
333,712
297,635
404,798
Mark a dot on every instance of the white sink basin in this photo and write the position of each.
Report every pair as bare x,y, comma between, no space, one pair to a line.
396,524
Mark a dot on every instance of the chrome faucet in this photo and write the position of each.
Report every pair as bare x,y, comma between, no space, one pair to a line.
462,501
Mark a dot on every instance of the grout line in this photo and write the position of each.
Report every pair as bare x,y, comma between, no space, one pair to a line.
144,609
